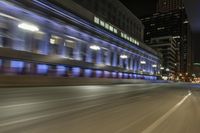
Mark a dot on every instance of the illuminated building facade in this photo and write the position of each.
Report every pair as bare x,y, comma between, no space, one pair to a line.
55,42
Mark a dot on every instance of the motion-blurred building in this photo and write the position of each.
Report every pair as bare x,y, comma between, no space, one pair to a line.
60,38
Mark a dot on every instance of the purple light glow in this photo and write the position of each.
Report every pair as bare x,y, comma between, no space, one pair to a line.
114,74
42,68
17,65
125,75
87,72
76,71
61,70
106,74
98,73
120,75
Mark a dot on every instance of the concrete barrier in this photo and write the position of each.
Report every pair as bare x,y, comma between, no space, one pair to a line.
20,81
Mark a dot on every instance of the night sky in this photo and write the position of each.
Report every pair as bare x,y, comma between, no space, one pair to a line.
140,7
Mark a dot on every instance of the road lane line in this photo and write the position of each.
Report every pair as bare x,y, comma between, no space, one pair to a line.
67,98
166,115
47,115
156,123
133,123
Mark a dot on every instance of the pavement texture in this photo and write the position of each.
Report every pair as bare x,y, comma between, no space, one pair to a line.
126,108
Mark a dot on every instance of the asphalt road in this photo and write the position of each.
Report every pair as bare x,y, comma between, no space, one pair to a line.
139,108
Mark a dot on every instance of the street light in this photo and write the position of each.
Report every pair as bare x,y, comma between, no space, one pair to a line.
167,69
154,66
95,47
28,26
123,56
143,62
162,68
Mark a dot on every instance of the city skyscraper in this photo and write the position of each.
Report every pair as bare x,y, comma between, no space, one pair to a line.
164,6
170,20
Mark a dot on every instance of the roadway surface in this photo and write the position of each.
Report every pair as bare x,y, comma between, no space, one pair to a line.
127,108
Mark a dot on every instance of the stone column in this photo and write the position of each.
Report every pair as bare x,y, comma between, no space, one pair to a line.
77,51
88,55
114,60
131,63
99,57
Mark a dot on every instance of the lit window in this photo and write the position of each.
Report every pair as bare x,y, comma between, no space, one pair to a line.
102,23
106,25
137,42
128,38
28,26
115,31
122,35
161,28
111,28
52,41
125,36
123,56
148,33
96,20
55,39
69,43
131,39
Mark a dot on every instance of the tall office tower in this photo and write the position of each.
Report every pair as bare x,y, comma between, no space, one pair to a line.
170,20
164,6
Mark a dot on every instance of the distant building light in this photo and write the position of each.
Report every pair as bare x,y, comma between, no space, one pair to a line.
167,69
186,22
148,33
162,68
122,35
52,41
175,37
69,41
143,62
161,28
95,47
196,64
28,26
123,56
154,66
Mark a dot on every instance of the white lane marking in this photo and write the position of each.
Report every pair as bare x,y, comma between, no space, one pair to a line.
156,123
47,115
72,98
133,123
47,101
166,115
